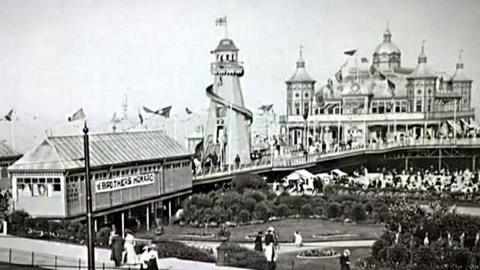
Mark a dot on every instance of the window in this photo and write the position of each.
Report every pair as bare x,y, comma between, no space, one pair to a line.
38,187
419,91
404,106
381,107
306,94
397,106
418,107
297,108
297,95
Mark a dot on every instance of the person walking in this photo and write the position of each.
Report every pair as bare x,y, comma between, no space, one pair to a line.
152,258
298,239
345,260
116,246
258,242
237,161
130,255
270,249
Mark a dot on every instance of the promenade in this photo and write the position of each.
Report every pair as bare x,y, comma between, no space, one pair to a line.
55,255
290,160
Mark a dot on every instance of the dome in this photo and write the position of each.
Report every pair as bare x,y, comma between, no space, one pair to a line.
387,46
226,44
300,74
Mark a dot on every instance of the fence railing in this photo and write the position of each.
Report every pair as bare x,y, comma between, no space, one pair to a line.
290,157
16,257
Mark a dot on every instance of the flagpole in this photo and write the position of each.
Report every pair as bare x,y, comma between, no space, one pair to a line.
455,121
12,133
88,190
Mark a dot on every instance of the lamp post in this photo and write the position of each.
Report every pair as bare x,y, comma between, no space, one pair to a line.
88,190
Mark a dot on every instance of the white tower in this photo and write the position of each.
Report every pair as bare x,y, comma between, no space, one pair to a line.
228,125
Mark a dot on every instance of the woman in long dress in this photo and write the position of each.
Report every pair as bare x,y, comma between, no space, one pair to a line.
131,256
270,249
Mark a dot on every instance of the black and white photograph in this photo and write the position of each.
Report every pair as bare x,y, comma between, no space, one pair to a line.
230,135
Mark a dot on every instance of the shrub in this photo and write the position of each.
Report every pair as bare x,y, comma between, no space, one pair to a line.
262,211
333,210
358,213
249,204
181,251
237,256
258,196
306,210
294,203
244,216
397,254
18,222
379,252
281,210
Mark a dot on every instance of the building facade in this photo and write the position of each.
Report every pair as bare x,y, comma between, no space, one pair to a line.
147,170
378,101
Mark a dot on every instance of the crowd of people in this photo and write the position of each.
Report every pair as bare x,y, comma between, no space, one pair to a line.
419,179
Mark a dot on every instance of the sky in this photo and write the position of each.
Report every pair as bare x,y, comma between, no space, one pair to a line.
59,55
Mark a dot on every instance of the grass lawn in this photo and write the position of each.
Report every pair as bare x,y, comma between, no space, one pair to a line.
285,228
285,261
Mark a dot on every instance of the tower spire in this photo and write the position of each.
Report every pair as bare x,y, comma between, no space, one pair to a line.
300,61
387,36
422,58
460,62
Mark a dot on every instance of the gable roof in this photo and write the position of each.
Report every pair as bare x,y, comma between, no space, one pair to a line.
59,153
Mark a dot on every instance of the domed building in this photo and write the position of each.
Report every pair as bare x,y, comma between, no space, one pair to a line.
378,101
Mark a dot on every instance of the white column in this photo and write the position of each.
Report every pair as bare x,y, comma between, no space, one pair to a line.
123,224
148,217
170,212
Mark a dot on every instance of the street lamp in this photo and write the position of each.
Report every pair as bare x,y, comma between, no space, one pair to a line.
88,190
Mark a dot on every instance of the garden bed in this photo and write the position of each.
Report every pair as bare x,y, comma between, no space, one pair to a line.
318,254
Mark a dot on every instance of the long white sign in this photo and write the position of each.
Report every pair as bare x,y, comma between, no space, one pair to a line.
113,184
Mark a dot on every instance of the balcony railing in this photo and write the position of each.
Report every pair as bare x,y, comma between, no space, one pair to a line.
291,158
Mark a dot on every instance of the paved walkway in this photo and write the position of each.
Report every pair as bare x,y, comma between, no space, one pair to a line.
48,253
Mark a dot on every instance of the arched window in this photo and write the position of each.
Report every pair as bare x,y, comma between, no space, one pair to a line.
227,57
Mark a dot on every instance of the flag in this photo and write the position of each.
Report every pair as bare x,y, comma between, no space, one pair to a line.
147,110
115,119
350,52
339,76
165,112
78,115
391,87
221,21
8,116
382,76
140,116
187,110
266,108
364,60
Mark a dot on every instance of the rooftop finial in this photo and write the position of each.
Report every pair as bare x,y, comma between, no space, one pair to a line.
423,45
300,52
388,27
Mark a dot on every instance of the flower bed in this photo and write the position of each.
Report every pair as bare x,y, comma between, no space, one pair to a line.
327,253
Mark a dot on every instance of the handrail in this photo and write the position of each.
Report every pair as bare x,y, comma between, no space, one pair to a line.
296,158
